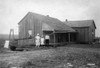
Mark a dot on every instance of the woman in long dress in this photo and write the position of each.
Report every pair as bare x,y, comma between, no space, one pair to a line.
42,40
37,41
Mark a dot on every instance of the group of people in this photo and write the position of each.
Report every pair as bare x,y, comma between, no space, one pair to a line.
42,40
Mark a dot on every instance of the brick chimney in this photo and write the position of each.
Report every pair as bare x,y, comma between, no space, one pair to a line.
47,15
66,20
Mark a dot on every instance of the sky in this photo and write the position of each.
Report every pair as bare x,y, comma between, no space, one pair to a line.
12,11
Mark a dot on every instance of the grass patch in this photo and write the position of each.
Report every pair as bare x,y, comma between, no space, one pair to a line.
3,64
63,57
60,56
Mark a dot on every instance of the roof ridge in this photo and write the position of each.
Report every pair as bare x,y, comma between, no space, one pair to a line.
82,20
53,22
80,23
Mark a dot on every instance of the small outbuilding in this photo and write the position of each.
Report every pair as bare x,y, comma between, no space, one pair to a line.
85,30
34,23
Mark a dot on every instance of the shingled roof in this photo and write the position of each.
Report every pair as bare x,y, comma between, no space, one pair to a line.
56,24
81,23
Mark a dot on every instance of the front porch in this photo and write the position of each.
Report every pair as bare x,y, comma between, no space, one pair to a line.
61,38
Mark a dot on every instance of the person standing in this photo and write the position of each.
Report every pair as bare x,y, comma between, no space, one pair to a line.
37,40
42,40
47,38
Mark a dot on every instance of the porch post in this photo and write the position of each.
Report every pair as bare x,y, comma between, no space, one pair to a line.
54,38
69,37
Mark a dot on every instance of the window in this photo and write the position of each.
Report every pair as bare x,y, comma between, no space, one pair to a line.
92,31
30,33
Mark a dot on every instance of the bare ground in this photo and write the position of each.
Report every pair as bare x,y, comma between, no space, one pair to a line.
58,57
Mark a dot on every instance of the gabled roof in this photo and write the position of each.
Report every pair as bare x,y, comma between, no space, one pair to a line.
81,23
52,22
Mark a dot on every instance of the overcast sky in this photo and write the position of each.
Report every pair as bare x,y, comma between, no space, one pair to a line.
12,11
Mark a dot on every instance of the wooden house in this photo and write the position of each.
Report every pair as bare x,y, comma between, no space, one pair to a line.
85,30
34,23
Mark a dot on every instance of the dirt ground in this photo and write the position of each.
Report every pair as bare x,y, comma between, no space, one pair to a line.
69,56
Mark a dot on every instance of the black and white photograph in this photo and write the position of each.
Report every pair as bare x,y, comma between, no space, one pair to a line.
49,33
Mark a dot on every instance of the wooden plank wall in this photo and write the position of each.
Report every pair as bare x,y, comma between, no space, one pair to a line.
27,24
83,34
92,36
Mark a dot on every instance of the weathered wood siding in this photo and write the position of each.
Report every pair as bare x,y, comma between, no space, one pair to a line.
22,31
29,23
92,33
83,34
36,25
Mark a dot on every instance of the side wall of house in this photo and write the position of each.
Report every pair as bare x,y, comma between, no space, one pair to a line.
25,25
22,32
29,23
92,33
82,35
